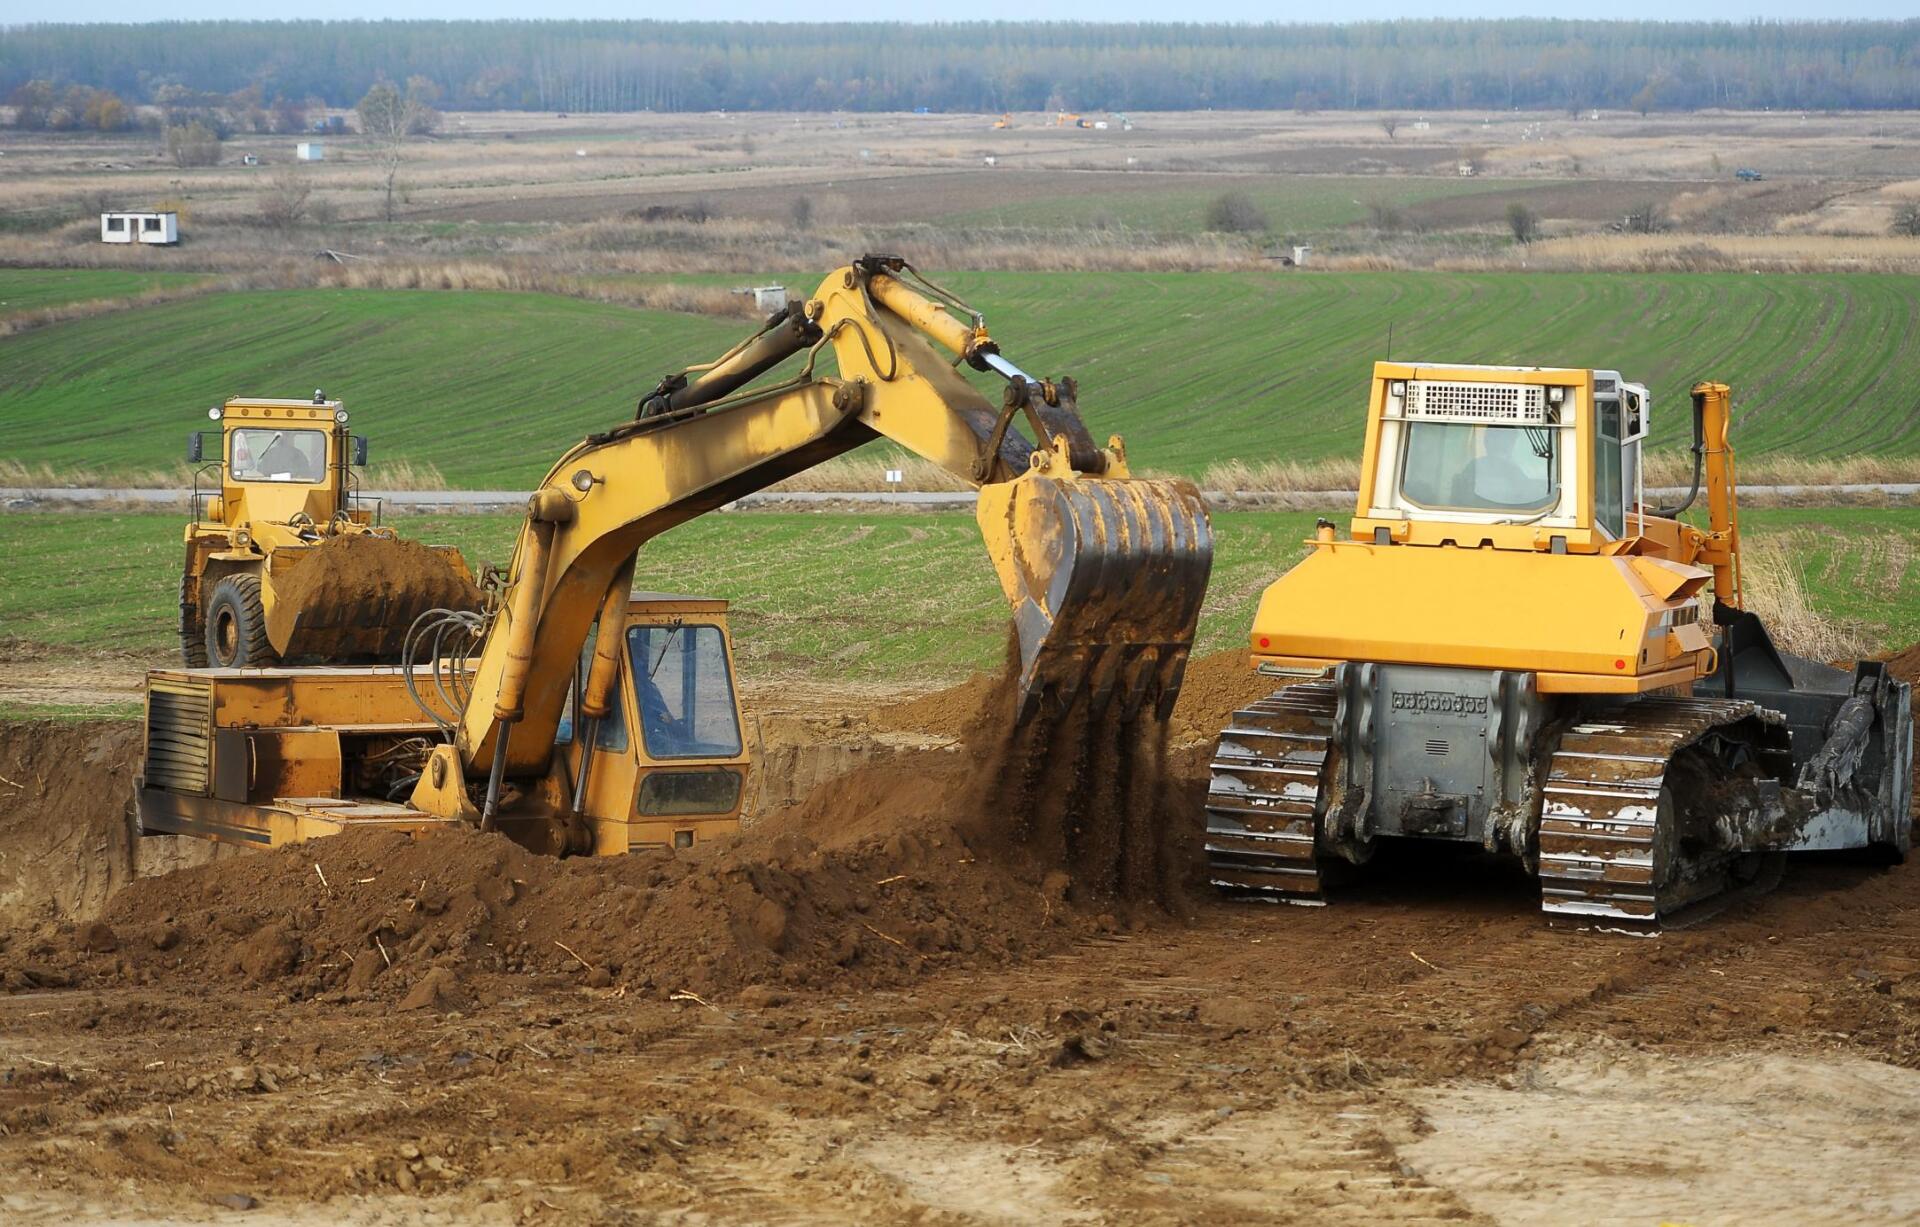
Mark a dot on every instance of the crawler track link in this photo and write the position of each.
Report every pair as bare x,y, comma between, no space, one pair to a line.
1603,852
1266,796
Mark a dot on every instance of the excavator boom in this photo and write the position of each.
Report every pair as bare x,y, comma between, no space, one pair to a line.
1103,572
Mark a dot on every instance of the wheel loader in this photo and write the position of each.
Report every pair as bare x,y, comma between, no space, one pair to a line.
284,563
521,717
1510,649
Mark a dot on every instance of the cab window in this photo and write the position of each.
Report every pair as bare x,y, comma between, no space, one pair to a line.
611,732
684,691
1460,466
1609,498
269,454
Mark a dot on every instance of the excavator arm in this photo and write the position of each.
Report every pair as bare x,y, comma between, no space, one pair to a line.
1104,572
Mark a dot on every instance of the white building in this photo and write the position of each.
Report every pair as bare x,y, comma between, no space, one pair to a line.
310,151
768,298
132,227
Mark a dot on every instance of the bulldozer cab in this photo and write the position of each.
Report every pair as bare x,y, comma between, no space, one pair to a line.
1517,457
280,460
669,760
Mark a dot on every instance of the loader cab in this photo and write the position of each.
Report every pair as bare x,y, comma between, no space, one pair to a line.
670,760
279,461
1510,457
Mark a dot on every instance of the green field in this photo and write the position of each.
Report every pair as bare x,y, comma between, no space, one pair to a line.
1192,367
903,597
31,289
1295,204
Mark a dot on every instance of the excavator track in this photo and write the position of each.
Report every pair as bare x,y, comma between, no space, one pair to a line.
1265,798
1609,849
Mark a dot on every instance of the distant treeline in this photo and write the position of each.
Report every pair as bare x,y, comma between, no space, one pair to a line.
994,66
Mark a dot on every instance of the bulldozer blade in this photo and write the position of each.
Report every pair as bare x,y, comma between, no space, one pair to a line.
1105,576
353,597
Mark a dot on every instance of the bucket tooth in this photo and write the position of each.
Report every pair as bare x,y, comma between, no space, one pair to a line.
1105,576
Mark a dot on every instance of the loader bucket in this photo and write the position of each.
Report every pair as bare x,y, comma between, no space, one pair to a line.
1105,576
351,597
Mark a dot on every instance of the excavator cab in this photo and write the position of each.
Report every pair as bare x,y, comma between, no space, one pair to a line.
670,757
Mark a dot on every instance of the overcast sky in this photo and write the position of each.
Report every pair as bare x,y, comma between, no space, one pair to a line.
1058,10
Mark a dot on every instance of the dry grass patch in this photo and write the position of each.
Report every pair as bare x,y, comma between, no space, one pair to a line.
1775,587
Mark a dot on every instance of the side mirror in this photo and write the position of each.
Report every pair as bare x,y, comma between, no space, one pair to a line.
360,451
194,448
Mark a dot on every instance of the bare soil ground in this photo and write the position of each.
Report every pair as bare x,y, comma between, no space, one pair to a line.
861,1010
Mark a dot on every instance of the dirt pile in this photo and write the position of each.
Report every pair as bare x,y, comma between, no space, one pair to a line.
67,832
1905,664
356,594
440,921
1216,686
952,712
66,839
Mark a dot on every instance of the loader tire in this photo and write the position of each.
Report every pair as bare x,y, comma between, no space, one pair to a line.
193,632
236,634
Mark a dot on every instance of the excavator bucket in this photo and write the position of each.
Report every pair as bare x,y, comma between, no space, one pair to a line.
1105,576
351,597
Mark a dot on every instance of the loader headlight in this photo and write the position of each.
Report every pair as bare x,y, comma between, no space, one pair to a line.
340,416
1556,396
1398,389
215,413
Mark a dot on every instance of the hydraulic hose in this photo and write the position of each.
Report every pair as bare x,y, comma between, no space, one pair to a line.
1699,458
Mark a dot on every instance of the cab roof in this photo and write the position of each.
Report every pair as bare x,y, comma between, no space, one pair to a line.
677,602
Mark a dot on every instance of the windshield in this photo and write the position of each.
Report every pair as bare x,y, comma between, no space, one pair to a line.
1461,466
271,454
685,691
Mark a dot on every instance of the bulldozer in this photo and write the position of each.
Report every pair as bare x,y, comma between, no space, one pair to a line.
576,717
285,563
1511,650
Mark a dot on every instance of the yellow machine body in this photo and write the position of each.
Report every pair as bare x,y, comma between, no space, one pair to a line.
1589,605
1510,648
264,757
285,499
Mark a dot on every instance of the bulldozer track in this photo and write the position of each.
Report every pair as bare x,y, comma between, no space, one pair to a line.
1265,797
1599,821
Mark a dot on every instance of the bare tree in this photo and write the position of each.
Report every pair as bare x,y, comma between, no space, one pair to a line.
284,202
193,144
388,118
1236,213
1906,221
1524,222
1648,217
1389,124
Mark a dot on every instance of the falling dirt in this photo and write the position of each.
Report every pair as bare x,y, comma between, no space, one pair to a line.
355,583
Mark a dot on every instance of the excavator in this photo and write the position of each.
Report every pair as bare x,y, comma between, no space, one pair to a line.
504,719
1510,649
